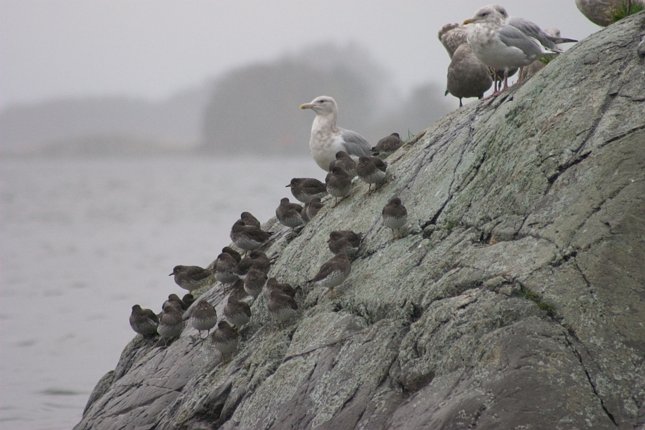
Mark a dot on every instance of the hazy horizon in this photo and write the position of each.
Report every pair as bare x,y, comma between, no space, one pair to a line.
152,50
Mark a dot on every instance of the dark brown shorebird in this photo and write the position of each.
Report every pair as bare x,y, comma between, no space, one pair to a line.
254,281
311,209
226,268
344,242
306,189
233,253
174,300
256,259
282,307
344,161
289,214
225,339
339,183
248,237
333,272
188,300
236,311
387,145
284,288
144,321
248,219
192,278
371,170
395,217
171,324
203,316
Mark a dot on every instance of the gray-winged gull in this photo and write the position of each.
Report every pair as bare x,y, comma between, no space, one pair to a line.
499,45
327,139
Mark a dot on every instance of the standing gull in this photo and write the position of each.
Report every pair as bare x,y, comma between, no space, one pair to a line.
499,45
452,36
327,138
467,76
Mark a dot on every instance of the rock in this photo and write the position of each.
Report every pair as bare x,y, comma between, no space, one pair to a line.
517,303
606,12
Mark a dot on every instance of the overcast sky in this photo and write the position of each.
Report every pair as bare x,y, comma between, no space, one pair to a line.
153,48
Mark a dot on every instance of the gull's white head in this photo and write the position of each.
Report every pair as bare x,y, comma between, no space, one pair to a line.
322,105
494,14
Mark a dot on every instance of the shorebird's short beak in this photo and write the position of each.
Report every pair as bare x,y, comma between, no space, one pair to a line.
306,106
469,21
171,274
287,186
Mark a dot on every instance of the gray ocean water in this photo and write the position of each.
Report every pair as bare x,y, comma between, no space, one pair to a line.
81,241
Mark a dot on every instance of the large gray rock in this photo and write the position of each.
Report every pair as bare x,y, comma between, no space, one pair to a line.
515,302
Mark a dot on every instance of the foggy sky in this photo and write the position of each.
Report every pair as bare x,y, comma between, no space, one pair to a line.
153,48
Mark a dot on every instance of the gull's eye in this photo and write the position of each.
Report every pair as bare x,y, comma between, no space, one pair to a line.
322,101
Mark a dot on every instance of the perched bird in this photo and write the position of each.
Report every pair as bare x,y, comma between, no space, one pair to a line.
281,306
344,242
236,311
307,189
339,183
289,214
452,36
311,208
174,300
144,321
345,161
170,325
333,272
233,253
248,237
501,46
326,138
467,76
248,219
284,288
203,317
255,259
192,278
395,216
226,268
371,170
225,339
188,300
387,145
254,281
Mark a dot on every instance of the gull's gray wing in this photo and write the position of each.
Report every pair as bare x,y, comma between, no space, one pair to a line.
355,144
512,36
531,29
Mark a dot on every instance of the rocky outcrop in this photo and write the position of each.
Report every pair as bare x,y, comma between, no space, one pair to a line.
516,301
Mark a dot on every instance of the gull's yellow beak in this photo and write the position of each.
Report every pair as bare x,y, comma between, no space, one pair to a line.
306,106
469,21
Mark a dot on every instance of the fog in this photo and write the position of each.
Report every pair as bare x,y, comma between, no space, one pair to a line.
139,77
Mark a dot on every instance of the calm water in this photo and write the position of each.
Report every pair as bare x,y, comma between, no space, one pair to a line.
81,241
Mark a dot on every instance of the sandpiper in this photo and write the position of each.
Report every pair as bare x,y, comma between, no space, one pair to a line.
143,321
226,268
333,272
344,241
254,281
170,325
249,219
284,288
387,145
225,339
344,161
256,259
188,300
395,217
192,277
236,311
289,214
203,316
339,183
306,189
174,300
311,208
281,306
233,253
371,170
248,237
